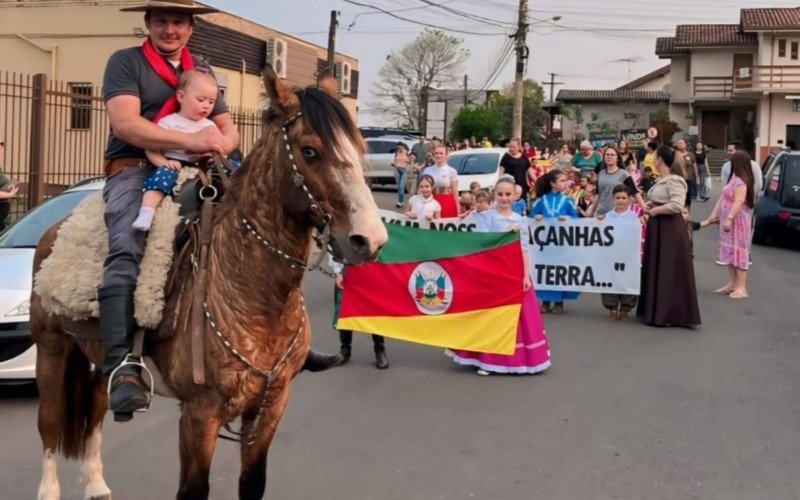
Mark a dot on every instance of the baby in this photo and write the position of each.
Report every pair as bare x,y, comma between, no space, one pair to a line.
197,93
483,200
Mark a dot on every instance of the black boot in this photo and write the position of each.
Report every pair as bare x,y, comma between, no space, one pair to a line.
318,362
346,339
381,361
117,326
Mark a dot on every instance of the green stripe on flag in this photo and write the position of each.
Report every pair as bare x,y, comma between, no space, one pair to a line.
409,244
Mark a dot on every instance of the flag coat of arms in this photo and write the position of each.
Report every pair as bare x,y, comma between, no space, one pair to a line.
449,289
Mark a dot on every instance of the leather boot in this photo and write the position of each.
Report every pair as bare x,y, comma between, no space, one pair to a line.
346,339
319,362
117,326
381,361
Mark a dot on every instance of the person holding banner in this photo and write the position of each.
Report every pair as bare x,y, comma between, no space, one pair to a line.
612,175
553,204
445,180
532,354
668,296
422,206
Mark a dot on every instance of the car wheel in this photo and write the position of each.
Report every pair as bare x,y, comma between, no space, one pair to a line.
760,233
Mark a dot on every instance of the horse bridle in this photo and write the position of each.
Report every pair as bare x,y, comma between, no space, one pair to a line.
323,236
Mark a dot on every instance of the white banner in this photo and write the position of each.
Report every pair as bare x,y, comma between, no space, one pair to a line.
586,255
576,255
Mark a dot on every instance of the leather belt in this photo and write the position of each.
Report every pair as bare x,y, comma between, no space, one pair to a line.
441,190
117,165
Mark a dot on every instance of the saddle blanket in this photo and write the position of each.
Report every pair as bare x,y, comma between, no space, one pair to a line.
69,278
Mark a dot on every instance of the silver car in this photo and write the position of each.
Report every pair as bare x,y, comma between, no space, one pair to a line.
380,155
17,246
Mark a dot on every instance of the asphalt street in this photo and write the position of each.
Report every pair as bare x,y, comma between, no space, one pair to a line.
625,412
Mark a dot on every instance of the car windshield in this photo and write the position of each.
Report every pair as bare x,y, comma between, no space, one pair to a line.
381,147
27,232
481,163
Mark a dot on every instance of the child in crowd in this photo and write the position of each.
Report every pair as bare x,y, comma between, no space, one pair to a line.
620,305
197,93
466,204
423,206
692,226
647,180
483,201
531,354
474,187
588,199
578,188
520,206
552,203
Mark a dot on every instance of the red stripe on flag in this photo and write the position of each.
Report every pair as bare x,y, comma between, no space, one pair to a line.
480,281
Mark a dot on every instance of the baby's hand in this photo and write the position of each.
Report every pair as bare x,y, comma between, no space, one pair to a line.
172,165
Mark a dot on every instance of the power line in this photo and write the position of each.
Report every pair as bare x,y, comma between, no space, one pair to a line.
486,20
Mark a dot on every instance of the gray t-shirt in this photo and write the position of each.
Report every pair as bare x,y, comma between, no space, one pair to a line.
605,189
129,73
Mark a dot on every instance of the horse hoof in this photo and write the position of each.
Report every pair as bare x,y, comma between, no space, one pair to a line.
124,416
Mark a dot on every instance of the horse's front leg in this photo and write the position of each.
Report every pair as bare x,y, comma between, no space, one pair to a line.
199,428
253,478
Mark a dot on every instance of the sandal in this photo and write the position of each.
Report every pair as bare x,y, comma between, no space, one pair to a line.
723,291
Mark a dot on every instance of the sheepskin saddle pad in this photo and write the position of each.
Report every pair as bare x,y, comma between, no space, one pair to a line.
69,278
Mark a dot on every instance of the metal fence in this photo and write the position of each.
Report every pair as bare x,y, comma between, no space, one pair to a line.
56,132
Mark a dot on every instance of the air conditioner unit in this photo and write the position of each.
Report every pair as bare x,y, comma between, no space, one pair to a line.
744,72
276,55
343,74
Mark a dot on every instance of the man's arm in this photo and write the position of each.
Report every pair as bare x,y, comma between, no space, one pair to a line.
128,125
224,122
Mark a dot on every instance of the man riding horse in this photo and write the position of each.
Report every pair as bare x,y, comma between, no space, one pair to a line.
135,90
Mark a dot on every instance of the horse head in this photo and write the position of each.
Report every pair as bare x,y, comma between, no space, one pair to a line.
322,159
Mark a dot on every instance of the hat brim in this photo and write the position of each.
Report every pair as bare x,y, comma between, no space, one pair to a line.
171,8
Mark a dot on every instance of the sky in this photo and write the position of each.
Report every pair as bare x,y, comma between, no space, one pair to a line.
597,44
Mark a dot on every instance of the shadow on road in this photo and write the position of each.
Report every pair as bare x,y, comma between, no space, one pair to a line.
26,390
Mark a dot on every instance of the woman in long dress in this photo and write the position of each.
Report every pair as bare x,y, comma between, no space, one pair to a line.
532,354
669,295
734,212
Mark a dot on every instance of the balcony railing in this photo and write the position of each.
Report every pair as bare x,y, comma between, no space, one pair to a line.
712,87
768,78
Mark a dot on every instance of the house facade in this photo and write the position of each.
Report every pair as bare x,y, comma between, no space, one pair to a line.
738,81
71,41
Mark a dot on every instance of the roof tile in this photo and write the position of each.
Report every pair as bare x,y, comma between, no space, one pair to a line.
712,35
567,95
769,19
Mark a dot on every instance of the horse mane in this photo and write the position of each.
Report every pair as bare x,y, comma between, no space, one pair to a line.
329,120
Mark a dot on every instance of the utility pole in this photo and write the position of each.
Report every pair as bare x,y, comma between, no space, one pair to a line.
332,40
466,90
522,55
552,83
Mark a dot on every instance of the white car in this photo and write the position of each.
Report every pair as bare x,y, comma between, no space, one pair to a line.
17,246
380,155
481,165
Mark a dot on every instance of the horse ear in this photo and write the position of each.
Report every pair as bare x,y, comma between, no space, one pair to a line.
279,92
327,82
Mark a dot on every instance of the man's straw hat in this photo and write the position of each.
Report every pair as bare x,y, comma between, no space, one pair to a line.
184,6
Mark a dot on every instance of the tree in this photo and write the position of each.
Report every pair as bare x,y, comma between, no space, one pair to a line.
534,117
660,119
432,60
574,112
477,121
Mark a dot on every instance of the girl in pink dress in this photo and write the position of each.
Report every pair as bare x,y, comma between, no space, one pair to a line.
532,354
733,212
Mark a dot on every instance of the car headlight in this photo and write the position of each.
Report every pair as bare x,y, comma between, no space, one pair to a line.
21,309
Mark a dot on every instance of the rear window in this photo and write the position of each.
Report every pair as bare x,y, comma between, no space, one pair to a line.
381,147
473,164
791,183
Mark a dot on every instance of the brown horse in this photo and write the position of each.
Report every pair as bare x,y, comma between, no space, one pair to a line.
304,173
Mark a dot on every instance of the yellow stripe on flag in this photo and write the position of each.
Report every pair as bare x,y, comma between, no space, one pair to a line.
485,330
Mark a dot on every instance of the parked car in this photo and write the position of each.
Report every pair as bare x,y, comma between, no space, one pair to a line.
17,246
777,210
481,165
380,155
367,132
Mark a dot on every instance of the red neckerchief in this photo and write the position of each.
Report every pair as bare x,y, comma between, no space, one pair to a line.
165,71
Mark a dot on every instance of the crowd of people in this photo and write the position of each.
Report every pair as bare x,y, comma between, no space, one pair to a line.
655,184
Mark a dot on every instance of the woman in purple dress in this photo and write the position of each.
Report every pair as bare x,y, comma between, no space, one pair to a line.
733,212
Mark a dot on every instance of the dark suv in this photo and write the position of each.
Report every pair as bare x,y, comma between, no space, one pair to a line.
778,208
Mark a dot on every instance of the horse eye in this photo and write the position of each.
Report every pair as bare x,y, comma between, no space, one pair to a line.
309,153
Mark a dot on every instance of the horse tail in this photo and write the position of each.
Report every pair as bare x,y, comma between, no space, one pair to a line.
81,384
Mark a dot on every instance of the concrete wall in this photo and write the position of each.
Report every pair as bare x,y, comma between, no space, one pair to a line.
680,88
656,84
712,62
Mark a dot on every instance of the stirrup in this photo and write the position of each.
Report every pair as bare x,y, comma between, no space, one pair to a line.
131,360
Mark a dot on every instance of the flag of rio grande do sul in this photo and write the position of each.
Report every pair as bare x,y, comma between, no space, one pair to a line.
449,289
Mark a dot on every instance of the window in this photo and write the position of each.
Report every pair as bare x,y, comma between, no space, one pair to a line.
80,117
782,47
794,50
381,147
479,164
